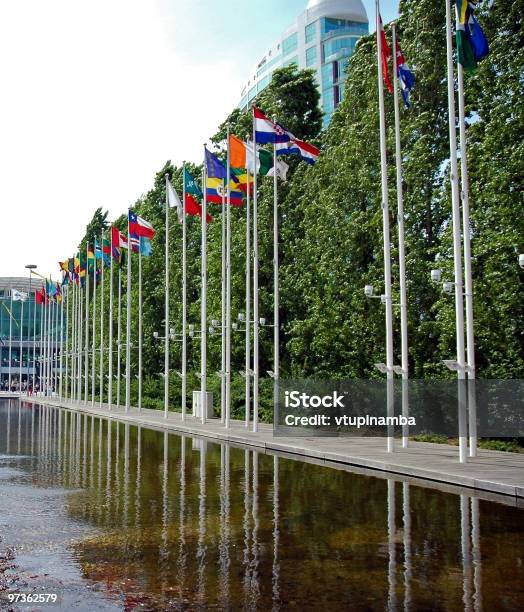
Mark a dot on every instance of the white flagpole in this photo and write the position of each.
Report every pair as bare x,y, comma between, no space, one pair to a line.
93,340
256,364
101,370
110,358
128,321
203,305
385,224
223,313
228,287
468,273
248,301
49,347
10,341
140,325
457,246
21,346
119,334
40,347
57,346
61,354
276,288
401,244
34,339
184,294
166,311
86,365
80,340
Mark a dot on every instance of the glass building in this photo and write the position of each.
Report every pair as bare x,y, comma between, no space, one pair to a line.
20,335
322,38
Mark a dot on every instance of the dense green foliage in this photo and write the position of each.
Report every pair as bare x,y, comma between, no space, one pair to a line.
331,225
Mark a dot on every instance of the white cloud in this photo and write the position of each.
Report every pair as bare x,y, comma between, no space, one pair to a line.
96,96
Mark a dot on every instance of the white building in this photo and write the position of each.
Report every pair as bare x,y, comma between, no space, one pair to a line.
322,38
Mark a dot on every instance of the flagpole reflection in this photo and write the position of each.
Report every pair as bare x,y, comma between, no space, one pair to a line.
477,555
466,552
276,535
201,547
182,557
392,567
408,568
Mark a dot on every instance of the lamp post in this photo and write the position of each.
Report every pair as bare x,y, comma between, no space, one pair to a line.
31,267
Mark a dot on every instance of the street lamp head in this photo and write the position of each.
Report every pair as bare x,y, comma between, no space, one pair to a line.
31,267
234,326
368,290
242,317
155,335
436,275
382,367
521,260
215,323
262,321
211,330
171,331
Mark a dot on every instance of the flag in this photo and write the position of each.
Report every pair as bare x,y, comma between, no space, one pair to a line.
472,44
307,152
214,167
40,296
405,76
267,131
118,242
242,156
385,55
91,260
215,190
50,289
146,248
18,296
65,279
71,265
140,227
193,208
106,251
238,153
98,250
191,185
58,294
280,169
173,201
64,265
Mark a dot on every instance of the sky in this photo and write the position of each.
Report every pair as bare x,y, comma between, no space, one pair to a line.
97,95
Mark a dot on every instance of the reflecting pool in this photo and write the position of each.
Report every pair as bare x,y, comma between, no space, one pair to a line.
115,516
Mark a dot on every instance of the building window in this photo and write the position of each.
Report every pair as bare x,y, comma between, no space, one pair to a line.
311,56
329,25
252,94
345,45
290,44
327,76
263,83
293,60
311,32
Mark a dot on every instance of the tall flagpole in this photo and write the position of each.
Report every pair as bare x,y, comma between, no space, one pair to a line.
49,346
80,340
57,343
21,347
223,313
40,346
86,365
385,222
128,321
184,295
468,274
228,287
166,312
101,370
140,325
34,339
401,243
119,334
10,340
457,246
256,364
61,375
111,317
93,340
203,304
248,301
276,288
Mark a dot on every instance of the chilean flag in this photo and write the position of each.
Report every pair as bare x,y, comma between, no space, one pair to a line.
140,227
307,152
268,132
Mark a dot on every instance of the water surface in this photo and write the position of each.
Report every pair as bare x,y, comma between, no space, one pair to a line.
124,518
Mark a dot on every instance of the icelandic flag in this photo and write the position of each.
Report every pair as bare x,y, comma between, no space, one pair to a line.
268,132
140,226
405,76
307,152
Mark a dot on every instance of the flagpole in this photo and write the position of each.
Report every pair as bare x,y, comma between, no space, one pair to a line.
203,304
228,287
21,346
256,364
119,335
248,300
128,321
276,288
140,325
457,246
385,225
10,340
80,339
49,346
223,313
184,294
93,340
110,358
401,243
166,311
468,274
86,365
40,349
102,285
34,338
57,343
61,378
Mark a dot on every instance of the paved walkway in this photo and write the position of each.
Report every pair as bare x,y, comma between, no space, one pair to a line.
493,471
